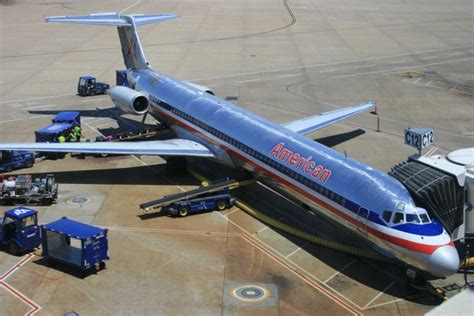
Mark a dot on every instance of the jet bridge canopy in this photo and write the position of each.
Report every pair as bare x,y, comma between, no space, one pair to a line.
436,191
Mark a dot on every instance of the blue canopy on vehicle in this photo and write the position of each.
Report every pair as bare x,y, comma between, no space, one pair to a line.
20,212
66,117
74,229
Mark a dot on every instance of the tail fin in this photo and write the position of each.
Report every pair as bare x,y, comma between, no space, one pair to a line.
132,51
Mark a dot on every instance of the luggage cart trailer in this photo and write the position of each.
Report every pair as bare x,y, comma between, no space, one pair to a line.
74,243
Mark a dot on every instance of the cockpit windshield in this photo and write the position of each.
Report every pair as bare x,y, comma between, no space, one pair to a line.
406,216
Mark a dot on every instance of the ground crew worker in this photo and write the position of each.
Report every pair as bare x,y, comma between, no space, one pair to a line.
61,138
72,137
77,131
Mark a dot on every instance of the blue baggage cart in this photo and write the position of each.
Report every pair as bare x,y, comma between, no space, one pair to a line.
74,243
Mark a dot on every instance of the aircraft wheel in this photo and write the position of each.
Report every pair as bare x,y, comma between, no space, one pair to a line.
13,248
183,211
221,205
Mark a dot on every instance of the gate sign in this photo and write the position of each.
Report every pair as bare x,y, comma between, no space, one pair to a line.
419,137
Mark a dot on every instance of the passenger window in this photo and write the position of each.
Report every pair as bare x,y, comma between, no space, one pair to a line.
412,218
398,218
387,216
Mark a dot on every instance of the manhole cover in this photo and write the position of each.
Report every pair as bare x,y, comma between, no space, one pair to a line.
78,200
250,293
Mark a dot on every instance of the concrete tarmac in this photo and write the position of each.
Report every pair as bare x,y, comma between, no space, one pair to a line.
283,60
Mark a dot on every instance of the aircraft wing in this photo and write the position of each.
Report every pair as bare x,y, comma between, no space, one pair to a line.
313,123
171,147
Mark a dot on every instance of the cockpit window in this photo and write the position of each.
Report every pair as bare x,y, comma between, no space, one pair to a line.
398,218
412,218
387,216
424,218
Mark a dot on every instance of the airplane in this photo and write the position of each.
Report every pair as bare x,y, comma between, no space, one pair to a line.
367,201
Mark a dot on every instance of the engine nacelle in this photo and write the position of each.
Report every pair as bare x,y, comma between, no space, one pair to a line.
129,100
202,88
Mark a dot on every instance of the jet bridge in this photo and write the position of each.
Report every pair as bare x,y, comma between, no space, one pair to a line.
444,186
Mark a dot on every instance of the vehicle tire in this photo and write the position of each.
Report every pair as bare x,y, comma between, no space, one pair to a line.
102,265
9,168
29,163
104,155
221,205
13,248
183,211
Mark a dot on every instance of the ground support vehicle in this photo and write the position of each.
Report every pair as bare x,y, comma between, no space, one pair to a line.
15,159
206,198
77,244
72,118
88,86
19,230
24,190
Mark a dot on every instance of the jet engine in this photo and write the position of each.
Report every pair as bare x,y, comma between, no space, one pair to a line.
202,88
129,100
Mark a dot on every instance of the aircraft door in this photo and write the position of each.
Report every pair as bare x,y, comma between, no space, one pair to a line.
363,215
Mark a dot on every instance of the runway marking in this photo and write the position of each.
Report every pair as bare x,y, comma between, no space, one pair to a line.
130,6
40,106
291,75
266,227
94,100
431,151
340,270
378,295
329,70
329,64
469,134
38,98
316,285
14,291
456,54
398,61
386,303
22,119
296,250
365,66
428,57
388,71
250,80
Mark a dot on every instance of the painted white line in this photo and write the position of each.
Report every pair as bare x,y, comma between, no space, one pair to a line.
398,61
233,211
388,71
327,64
245,81
17,25
40,106
296,250
418,79
431,151
329,70
291,75
428,83
365,66
94,100
378,295
386,303
38,98
22,119
456,54
130,6
428,57
339,271
469,134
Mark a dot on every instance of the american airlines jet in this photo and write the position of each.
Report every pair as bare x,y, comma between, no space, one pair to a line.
362,199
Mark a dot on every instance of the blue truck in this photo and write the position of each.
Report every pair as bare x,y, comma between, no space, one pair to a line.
15,159
19,230
80,245
88,86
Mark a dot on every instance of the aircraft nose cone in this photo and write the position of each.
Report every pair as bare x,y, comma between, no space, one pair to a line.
444,261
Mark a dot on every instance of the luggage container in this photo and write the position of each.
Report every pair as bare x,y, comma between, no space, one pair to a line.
74,243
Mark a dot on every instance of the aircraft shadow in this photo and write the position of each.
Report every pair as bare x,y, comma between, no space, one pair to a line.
335,140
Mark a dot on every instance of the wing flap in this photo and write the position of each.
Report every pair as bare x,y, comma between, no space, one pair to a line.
313,123
172,147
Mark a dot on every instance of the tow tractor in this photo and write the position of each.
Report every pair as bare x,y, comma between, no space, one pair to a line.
15,159
205,198
19,230
23,189
88,86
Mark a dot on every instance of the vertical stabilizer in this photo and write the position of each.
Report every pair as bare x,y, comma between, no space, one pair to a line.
132,51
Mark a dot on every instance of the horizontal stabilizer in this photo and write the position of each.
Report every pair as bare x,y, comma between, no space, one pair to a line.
171,147
310,124
113,18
